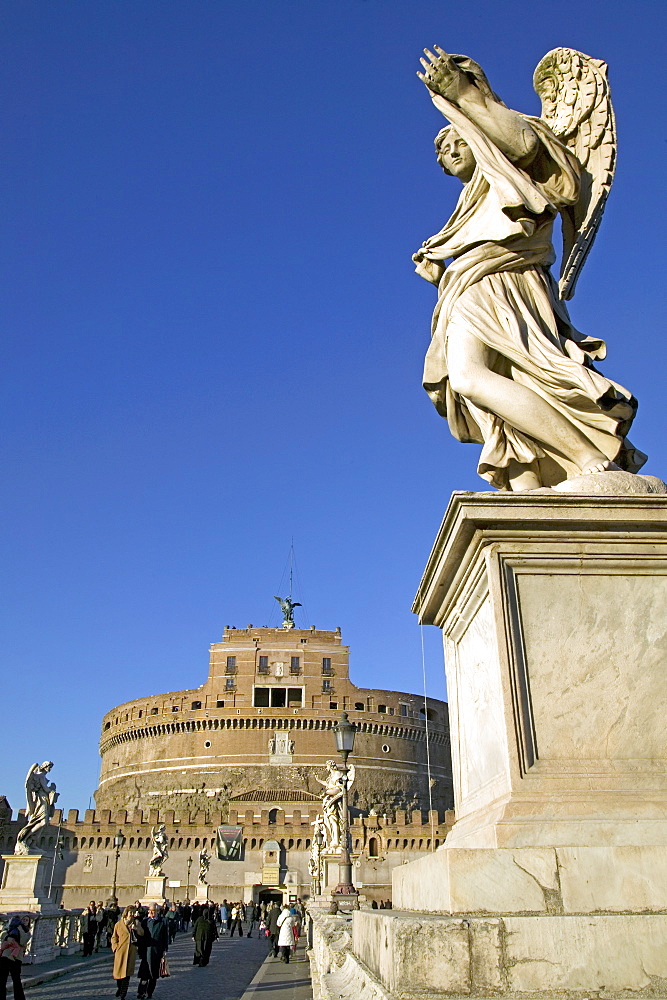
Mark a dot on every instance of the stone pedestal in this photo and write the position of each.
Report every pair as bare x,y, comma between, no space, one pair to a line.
201,893
25,881
156,889
553,609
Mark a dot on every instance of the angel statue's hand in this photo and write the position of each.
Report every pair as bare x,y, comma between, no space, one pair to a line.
442,76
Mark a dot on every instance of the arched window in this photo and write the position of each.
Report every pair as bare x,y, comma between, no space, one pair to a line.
373,847
273,816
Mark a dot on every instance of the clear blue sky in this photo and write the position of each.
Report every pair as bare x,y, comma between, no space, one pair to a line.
213,336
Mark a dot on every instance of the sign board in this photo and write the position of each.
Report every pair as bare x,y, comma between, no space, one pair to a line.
270,875
229,843
173,885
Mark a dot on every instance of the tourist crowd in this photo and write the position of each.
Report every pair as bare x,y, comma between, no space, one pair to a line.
145,933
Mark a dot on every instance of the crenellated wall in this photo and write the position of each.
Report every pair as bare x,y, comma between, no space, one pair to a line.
86,869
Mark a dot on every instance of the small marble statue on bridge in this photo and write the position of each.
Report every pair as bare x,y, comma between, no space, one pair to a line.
332,802
41,797
204,865
506,367
160,850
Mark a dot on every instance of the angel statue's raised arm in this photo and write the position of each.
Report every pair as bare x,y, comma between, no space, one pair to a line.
505,366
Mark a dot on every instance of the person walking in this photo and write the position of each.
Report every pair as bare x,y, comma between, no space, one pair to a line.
186,913
112,917
152,946
172,922
12,950
251,917
204,933
272,924
285,933
237,920
224,916
124,936
89,928
296,926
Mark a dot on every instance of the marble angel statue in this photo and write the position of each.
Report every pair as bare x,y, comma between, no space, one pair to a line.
160,849
334,787
505,367
204,865
41,797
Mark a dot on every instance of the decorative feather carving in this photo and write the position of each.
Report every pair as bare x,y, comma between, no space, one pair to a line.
576,105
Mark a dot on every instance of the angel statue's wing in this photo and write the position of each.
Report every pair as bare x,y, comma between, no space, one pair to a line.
30,791
576,105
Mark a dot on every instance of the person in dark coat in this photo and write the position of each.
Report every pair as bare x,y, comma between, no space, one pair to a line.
272,924
204,933
152,946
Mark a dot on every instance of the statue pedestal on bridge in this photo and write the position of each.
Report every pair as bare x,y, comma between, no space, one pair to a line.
156,889
554,876
25,880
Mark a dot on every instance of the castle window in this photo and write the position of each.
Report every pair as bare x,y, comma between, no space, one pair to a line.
154,711
295,697
295,664
403,709
263,665
261,698
219,703
230,684
278,697
140,713
382,709
326,664
174,708
273,817
231,665
107,725
359,706
196,704
326,684
333,704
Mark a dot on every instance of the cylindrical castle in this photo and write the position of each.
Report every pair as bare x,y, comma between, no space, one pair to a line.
263,722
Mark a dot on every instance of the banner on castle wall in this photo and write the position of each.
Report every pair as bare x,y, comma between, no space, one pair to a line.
229,843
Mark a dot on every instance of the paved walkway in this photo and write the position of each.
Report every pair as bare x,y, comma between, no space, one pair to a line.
237,965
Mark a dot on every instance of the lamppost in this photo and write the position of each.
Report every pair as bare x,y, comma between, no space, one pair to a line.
187,891
118,842
344,731
319,842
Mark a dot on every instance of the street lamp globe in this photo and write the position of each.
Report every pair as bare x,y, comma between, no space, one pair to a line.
344,731
118,840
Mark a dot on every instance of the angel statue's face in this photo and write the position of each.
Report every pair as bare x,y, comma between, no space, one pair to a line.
455,156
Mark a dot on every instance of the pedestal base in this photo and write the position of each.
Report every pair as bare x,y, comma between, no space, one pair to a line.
553,610
25,879
201,893
423,954
156,889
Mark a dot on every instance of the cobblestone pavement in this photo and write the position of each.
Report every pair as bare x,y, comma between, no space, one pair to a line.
234,963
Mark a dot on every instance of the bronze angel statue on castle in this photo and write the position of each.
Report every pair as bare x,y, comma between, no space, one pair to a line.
505,366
